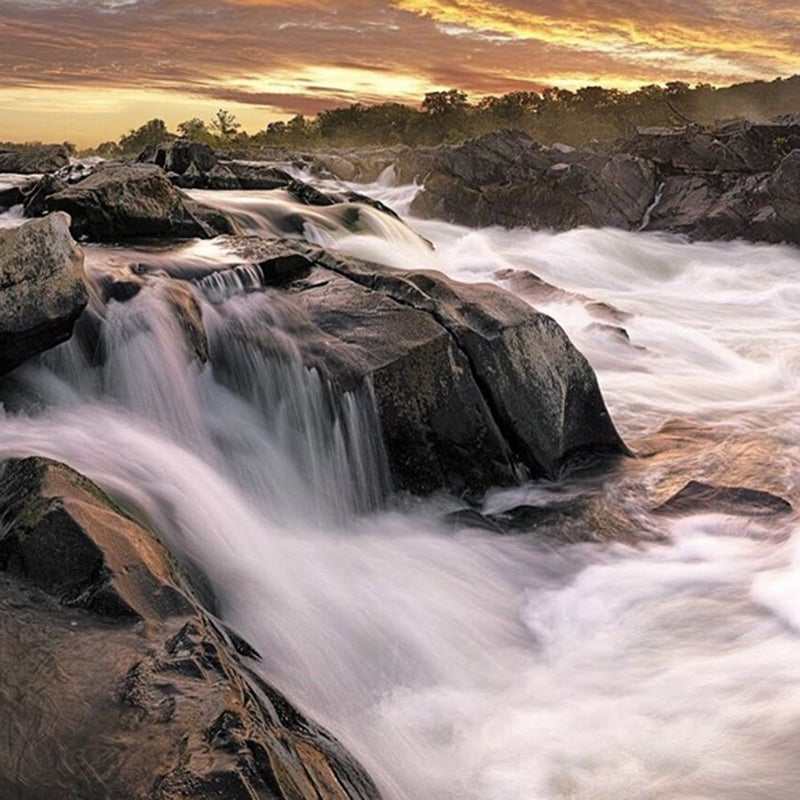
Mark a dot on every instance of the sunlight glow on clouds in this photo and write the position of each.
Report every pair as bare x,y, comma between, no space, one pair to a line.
269,59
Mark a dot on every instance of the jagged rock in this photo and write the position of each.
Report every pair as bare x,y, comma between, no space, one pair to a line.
14,190
34,160
212,221
112,664
42,288
123,202
742,147
406,164
704,498
181,155
473,388
35,202
67,538
505,178
253,175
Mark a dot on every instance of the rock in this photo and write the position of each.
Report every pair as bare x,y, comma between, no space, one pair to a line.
784,199
740,147
505,178
187,312
125,202
704,498
254,175
33,160
116,667
68,539
308,195
542,392
472,387
212,221
406,164
14,190
43,288
35,202
180,155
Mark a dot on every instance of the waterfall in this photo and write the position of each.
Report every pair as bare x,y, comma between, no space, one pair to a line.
465,664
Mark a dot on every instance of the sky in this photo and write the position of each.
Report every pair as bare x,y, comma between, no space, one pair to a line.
90,70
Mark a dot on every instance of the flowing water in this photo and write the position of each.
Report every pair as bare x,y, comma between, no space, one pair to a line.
465,664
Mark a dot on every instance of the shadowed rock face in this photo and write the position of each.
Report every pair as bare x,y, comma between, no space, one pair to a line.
42,289
473,388
506,178
123,202
116,683
737,181
34,160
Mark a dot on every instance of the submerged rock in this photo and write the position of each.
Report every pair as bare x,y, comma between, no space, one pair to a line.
43,288
116,667
704,498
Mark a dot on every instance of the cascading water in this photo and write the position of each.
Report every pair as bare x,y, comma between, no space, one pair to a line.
465,665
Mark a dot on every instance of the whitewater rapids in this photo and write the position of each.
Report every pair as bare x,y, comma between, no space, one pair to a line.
467,665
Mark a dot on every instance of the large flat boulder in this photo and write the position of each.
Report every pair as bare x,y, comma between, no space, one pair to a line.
42,288
126,201
117,683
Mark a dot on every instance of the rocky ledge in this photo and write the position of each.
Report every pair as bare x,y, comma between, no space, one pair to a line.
736,181
117,683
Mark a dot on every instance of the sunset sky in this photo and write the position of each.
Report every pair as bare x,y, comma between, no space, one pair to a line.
88,70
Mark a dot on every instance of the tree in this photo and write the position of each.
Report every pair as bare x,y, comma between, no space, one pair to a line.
152,132
439,104
108,149
195,130
224,125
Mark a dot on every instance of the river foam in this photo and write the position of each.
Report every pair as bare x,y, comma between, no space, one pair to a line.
464,664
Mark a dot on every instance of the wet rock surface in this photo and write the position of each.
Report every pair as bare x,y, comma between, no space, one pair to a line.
116,683
704,498
42,288
473,388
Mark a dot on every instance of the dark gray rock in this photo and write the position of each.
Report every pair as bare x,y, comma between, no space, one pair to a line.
125,202
505,178
13,193
42,288
472,387
34,160
108,661
704,498
35,202
181,155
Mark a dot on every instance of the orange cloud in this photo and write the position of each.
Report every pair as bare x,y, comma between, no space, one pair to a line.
715,45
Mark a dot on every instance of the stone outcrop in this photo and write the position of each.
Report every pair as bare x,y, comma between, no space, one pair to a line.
120,201
117,683
472,387
42,288
505,178
735,181
34,159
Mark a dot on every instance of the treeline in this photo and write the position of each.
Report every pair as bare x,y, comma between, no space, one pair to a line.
553,115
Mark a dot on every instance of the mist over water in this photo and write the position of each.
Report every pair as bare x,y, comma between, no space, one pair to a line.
466,664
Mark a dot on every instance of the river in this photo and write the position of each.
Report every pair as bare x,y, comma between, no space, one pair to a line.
466,664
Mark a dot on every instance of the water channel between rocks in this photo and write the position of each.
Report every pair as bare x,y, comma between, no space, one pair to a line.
464,664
